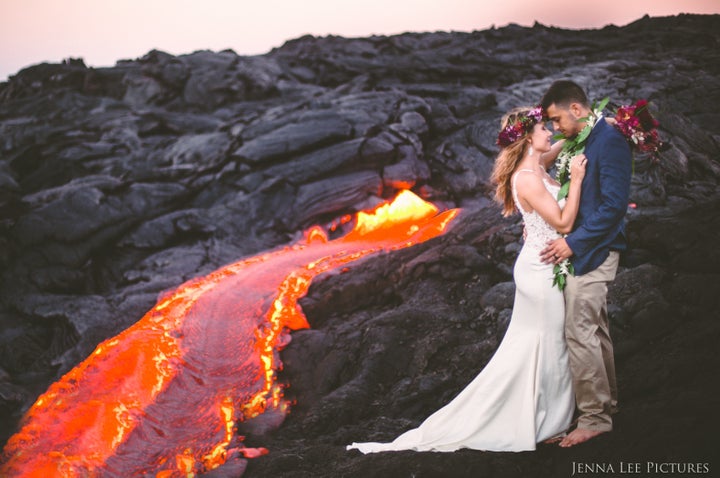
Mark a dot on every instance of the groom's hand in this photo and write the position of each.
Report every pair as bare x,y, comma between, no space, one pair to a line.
556,251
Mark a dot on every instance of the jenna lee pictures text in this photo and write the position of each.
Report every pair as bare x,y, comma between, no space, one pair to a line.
638,468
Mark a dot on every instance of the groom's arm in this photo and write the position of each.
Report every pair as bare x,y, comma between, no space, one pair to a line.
615,169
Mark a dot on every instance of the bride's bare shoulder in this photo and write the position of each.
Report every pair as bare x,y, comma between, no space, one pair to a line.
526,178
528,186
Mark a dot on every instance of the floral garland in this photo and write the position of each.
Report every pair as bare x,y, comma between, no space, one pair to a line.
639,129
572,147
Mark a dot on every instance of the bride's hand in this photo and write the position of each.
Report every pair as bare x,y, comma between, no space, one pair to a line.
577,166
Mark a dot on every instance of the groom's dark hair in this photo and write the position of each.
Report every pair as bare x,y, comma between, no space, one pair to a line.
564,92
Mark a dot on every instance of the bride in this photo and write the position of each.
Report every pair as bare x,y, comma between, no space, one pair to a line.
524,394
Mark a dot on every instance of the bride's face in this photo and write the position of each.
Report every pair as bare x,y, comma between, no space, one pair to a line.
540,138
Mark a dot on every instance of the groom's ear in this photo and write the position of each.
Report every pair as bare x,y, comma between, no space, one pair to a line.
577,110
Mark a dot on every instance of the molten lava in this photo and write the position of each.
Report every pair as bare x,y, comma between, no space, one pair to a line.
162,398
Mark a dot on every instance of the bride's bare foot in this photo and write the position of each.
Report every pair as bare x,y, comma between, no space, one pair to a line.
579,435
552,440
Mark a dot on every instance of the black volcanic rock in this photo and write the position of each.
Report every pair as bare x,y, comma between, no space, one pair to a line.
117,184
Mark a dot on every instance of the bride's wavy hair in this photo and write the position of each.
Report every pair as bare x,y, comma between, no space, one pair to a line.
508,160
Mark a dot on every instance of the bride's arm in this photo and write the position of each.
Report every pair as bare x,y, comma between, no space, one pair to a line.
548,158
533,191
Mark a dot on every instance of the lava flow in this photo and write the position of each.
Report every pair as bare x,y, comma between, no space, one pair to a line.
162,398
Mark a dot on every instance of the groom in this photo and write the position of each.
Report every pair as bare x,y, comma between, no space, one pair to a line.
593,246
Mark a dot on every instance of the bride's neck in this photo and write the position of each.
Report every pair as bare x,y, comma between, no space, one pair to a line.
530,162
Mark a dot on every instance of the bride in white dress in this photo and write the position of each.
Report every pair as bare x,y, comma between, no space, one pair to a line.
524,394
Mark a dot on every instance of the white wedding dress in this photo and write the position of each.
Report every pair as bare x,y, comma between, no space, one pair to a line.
524,394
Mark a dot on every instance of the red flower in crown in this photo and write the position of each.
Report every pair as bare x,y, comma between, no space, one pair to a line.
522,125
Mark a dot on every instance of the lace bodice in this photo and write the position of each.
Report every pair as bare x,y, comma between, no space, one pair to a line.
538,231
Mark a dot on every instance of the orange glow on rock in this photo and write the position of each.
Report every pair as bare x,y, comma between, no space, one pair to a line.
405,209
315,234
163,397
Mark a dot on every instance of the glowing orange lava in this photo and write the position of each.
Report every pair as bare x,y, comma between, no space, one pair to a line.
162,398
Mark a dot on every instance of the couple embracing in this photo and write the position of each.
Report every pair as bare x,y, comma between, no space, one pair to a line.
556,355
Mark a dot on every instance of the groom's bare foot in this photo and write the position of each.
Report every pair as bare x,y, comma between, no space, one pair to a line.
577,436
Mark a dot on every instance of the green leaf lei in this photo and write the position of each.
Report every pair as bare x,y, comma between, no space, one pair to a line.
575,146
571,148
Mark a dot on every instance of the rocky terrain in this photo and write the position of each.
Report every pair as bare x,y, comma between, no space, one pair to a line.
119,183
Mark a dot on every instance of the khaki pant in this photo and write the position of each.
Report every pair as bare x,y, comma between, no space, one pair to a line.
590,347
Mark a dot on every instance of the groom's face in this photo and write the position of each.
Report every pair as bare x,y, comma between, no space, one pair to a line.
565,119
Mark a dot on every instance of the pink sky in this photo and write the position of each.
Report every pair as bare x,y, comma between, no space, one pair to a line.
104,31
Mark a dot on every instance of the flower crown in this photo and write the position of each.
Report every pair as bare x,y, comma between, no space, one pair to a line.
522,125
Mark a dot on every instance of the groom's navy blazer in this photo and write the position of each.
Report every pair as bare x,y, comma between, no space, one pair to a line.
599,226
